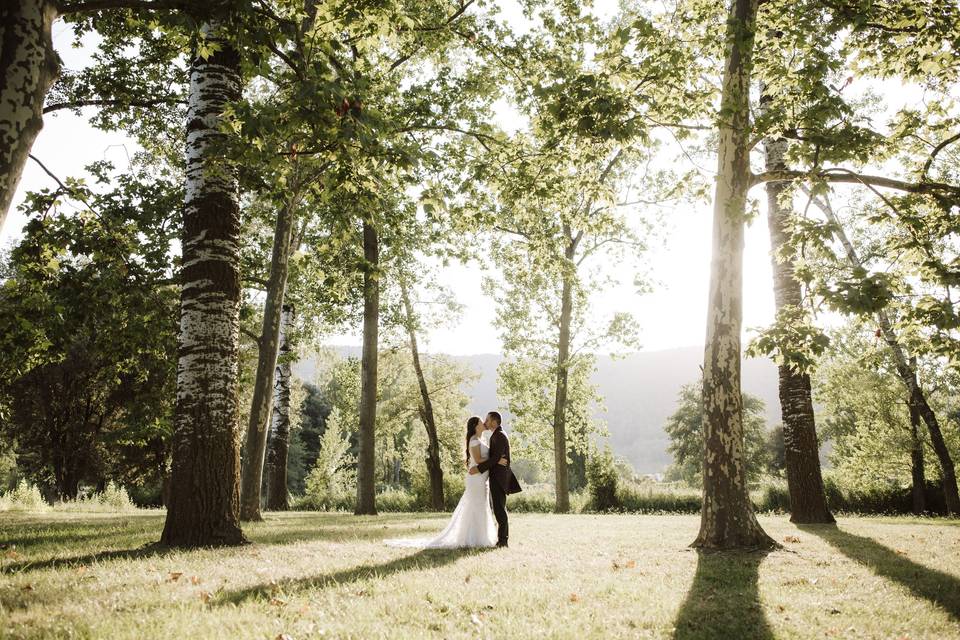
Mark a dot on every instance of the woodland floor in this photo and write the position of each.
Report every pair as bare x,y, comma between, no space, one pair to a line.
579,576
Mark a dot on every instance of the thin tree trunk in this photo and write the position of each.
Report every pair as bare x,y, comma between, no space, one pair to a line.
277,494
366,460
434,468
808,499
907,374
562,476
727,520
28,68
917,473
268,348
204,482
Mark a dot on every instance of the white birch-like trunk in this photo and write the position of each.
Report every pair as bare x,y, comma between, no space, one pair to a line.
279,447
727,518
28,68
204,483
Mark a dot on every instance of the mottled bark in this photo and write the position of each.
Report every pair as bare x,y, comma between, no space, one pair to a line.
907,374
204,483
434,469
808,499
268,349
561,473
366,460
28,68
279,442
727,520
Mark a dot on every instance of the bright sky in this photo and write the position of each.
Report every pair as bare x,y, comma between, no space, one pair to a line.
674,315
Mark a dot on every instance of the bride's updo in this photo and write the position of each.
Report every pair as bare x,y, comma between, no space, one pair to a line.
471,431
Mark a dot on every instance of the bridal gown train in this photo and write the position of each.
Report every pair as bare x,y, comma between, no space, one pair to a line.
472,524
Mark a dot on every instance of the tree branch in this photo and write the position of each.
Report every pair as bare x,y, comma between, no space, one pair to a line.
840,175
937,149
74,104
103,5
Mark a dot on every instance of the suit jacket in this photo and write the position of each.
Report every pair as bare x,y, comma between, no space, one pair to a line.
502,475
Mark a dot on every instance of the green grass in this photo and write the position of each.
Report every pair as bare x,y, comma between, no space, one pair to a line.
580,576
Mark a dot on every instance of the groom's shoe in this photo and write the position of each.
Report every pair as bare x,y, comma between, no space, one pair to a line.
502,544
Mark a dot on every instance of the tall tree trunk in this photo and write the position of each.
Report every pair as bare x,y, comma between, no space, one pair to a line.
277,494
907,374
561,473
366,460
434,469
917,472
727,520
204,482
808,499
268,349
28,68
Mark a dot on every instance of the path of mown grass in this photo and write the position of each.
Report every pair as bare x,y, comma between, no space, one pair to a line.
579,576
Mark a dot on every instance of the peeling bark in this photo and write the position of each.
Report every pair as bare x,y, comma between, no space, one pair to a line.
28,68
204,481
727,520
268,350
366,460
434,469
906,371
808,499
277,495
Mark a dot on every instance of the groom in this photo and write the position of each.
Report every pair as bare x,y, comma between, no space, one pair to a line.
502,480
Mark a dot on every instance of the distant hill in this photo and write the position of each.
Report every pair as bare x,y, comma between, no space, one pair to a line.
639,391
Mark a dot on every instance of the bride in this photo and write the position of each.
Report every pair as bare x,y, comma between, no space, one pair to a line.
472,524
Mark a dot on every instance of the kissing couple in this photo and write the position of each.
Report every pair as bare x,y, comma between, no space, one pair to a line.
488,482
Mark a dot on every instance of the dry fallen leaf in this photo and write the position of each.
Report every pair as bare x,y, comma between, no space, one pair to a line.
574,597
277,602
467,579
28,587
194,580
283,636
793,539
204,595
631,564
173,576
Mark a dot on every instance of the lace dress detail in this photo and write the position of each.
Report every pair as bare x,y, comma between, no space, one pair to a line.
472,523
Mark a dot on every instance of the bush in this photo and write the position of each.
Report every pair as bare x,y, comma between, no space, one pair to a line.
652,497
602,482
24,497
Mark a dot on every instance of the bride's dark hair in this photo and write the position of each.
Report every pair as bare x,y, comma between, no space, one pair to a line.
471,429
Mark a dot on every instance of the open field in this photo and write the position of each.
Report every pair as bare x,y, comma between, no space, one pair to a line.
580,576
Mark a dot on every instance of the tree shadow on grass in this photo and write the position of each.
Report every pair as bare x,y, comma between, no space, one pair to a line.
424,559
138,553
724,599
938,587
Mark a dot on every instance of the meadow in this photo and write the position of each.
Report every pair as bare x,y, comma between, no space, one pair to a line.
307,575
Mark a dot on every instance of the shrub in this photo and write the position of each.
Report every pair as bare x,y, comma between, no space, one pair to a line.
24,497
651,497
602,481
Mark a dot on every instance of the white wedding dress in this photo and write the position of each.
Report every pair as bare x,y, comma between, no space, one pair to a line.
472,524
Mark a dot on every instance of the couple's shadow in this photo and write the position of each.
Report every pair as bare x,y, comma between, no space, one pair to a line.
419,561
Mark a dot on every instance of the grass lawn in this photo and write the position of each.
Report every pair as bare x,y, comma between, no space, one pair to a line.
578,576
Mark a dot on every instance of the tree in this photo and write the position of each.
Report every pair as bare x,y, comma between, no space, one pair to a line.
434,467
204,482
30,67
685,430
277,451
90,321
727,518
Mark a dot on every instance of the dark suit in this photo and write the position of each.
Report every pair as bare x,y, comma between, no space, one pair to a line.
502,481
